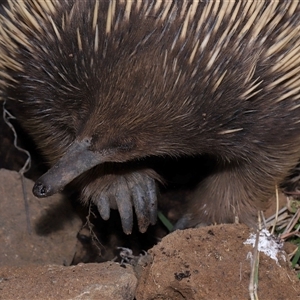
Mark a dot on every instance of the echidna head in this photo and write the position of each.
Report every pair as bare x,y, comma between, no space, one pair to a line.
127,129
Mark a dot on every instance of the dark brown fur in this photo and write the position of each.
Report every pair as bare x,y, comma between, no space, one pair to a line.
140,95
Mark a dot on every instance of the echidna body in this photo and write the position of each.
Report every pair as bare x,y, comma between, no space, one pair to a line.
101,82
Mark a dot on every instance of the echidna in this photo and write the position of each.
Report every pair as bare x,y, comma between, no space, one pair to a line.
102,85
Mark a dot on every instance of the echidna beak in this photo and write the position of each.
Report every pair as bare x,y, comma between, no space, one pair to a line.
76,160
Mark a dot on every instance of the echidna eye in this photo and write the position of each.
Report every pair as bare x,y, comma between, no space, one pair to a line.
127,146
123,145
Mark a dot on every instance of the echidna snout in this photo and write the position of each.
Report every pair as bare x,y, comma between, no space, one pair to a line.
77,159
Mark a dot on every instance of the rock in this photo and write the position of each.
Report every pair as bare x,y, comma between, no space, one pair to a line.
44,235
211,263
106,281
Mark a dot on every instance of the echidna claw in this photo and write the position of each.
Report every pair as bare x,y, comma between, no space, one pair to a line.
135,189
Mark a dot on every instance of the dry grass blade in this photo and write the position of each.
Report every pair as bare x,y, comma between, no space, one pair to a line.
293,221
286,223
253,284
277,209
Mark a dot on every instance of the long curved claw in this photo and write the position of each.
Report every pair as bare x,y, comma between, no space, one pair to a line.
140,199
103,206
125,208
152,204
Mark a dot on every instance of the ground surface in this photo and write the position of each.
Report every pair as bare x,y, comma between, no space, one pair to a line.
204,263
212,263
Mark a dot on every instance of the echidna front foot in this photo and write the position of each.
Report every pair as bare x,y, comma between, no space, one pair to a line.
232,193
123,192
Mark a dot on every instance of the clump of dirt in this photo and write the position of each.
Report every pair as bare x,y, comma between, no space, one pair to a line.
213,263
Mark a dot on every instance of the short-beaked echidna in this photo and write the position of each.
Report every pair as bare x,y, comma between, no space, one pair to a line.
104,84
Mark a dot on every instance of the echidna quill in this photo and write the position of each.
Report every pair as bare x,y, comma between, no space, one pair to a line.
104,84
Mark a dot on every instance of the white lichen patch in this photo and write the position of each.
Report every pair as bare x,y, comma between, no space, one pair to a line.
266,244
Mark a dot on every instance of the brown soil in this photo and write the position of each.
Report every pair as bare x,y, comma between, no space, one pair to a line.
212,263
204,263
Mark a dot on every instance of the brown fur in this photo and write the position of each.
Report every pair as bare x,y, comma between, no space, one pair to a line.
145,87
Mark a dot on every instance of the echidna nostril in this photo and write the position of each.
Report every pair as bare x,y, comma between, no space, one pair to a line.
39,190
